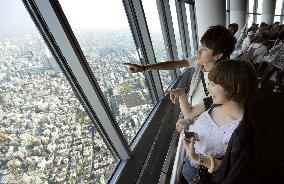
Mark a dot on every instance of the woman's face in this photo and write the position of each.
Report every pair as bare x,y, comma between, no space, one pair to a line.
217,92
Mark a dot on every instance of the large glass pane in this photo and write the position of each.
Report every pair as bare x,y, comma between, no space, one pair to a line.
259,6
103,33
258,19
278,8
188,13
176,28
250,19
251,3
154,26
45,134
277,19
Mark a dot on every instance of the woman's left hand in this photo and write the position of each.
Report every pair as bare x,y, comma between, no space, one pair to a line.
189,148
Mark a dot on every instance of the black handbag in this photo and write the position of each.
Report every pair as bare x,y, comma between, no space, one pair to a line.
204,176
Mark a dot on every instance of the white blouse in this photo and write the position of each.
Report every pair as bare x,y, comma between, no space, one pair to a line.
213,138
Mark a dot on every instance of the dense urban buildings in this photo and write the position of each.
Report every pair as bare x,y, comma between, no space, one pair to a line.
45,133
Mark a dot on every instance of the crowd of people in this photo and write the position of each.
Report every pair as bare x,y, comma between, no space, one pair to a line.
265,45
217,121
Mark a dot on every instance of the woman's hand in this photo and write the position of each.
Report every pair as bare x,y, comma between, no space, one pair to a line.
189,148
183,124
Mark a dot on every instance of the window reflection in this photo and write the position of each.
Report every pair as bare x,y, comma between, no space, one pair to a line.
107,43
45,134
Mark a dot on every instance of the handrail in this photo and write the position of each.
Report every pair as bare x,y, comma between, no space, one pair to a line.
180,153
177,167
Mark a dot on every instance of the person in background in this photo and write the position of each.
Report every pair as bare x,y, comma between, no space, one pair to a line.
263,29
233,28
277,65
247,41
253,27
260,46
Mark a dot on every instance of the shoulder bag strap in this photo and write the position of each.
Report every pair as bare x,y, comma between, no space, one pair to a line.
203,83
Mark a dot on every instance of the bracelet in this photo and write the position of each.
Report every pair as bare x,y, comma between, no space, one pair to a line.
212,164
189,121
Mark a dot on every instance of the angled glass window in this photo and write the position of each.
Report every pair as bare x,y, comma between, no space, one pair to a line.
251,4
278,8
259,6
45,134
258,19
188,16
250,19
107,43
154,26
176,28
277,19
250,15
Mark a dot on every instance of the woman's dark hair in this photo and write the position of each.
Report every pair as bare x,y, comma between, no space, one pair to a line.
220,40
237,77
262,38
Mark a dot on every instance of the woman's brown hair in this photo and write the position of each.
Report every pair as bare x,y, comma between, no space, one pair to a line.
238,78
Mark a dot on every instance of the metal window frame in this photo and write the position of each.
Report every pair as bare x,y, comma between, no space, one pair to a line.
194,27
145,45
255,5
168,32
139,43
228,9
56,31
183,25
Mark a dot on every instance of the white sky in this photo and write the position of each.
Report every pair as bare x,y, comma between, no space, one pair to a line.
14,17
81,14
87,14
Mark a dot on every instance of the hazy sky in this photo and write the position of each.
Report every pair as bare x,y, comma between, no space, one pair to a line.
81,14
95,13
14,18
103,13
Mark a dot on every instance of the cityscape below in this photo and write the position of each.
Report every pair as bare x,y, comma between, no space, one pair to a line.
45,134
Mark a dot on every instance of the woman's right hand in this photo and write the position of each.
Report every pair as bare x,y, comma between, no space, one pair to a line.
182,124
189,148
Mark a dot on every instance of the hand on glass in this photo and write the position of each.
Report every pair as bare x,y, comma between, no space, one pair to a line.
134,68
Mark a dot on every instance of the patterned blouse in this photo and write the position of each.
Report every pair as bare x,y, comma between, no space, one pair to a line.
278,62
213,138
